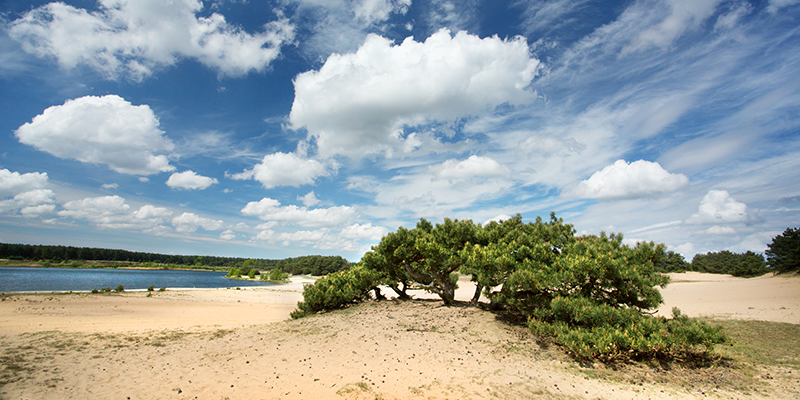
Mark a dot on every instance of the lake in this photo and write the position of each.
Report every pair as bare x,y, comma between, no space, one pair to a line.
31,279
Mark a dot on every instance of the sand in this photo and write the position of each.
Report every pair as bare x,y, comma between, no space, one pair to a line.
238,344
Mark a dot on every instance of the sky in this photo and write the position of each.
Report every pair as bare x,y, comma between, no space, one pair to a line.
274,129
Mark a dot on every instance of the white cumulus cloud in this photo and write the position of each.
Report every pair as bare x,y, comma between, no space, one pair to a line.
114,213
101,130
626,181
133,37
474,166
227,235
718,207
33,203
284,169
13,183
309,200
366,231
189,222
271,210
356,103
190,180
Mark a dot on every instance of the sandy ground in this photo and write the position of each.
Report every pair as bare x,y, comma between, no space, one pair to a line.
238,344
765,298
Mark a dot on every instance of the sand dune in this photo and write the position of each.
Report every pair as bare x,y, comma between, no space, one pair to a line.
237,344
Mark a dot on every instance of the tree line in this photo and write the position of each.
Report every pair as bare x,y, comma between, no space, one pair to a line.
309,265
591,294
782,256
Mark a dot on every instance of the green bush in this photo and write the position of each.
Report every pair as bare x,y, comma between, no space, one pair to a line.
591,331
150,289
276,275
119,289
234,273
252,274
337,290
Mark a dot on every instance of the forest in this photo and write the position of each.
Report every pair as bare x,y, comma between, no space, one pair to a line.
308,265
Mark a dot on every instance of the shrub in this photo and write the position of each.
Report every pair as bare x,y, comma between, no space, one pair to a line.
119,289
337,290
150,289
277,275
95,291
234,273
252,274
591,331
162,289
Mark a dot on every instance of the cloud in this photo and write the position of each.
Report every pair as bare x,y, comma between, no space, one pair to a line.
358,103
340,26
777,5
110,186
720,230
371,11
227,235
684,15
114,213
189,222
271,210
454,15
101,130
132,38
309,200
718,207
474,166
296,236
366,231
33,203
687,250
498,218
190,180
628,181
13,183
548,146
150,212
284,169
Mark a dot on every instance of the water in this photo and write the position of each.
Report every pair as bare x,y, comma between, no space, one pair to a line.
25,279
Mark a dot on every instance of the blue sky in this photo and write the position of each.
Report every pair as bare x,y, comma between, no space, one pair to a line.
274,129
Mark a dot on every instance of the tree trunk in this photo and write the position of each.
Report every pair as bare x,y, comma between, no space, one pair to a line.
401,293
477,295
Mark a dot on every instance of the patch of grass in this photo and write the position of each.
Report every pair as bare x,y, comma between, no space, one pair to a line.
765,343
758,352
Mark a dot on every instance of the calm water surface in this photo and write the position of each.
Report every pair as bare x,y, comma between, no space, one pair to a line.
24,279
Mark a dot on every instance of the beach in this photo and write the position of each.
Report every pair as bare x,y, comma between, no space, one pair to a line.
240,344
